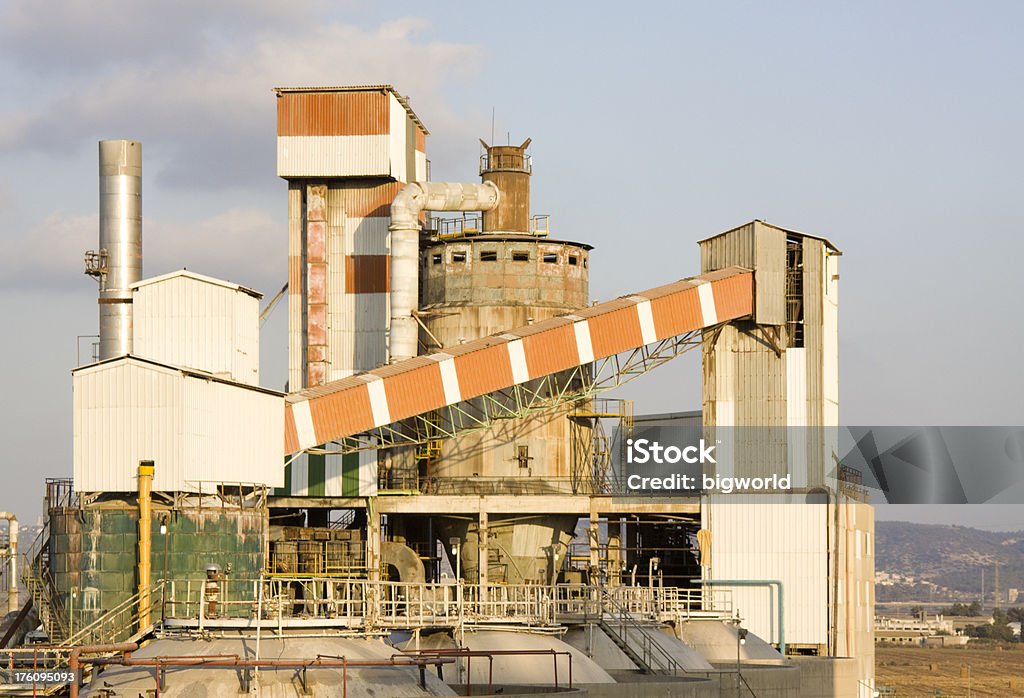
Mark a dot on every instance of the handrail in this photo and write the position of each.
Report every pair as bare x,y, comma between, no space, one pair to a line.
122,617
650,648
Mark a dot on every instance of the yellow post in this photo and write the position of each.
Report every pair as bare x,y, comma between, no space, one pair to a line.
145,539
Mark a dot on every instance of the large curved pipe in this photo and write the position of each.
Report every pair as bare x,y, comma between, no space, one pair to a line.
12,552
405,248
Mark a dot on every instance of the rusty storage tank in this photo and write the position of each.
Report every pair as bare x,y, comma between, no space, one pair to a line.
477,281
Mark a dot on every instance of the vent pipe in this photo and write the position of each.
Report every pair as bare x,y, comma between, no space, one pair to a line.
413,199
12,560
117,264
146,469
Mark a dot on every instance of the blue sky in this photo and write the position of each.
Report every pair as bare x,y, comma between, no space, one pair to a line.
891,128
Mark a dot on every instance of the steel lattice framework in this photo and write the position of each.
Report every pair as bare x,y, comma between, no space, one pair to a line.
536,396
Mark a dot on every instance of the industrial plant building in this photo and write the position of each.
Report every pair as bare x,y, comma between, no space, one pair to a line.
437,504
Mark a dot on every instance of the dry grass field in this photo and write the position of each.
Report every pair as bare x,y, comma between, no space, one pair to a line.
930,671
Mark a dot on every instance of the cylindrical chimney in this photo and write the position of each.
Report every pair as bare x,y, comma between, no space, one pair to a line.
508,166
120,242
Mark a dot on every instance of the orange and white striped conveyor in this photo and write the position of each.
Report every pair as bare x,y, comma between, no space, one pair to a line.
392,393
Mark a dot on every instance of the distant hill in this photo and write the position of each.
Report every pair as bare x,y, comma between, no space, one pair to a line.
950,556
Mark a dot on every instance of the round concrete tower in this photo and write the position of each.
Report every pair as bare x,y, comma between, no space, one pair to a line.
508,274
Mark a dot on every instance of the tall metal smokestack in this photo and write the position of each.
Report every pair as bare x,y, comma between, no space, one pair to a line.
117,264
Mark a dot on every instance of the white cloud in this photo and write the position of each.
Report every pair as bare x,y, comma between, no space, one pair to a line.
195,87
50,255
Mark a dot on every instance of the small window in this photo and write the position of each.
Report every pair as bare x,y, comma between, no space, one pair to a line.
458,256
520,256
437,259
572,260
489,256
551,258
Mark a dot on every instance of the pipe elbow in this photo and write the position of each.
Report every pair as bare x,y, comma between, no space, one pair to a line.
406,206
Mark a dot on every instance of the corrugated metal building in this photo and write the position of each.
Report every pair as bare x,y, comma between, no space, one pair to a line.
346,152
194,321
195,426
771,394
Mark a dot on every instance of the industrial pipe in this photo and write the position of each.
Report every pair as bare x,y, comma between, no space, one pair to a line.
145,539
756,583
73,658
118,263
12,552
405,249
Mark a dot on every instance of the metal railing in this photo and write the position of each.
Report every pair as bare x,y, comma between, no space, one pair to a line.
120,623
619,623
362,603
519,162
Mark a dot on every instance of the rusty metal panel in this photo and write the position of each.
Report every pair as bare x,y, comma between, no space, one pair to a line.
367,273
333,113
733,296
365,198
344,412
615,330
415,391
291,436
676,313
552,350
484,370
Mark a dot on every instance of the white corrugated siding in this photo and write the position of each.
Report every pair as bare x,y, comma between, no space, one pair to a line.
195,324
194,429
334,156
796,414
830,342
367,235
296,295
232,434
398,118
358,331
774,540
421,166
770,274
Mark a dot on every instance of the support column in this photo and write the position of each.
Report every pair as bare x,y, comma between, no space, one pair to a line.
594,538
614,551
373,560
482,555
316,285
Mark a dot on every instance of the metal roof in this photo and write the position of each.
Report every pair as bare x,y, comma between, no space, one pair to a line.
402,99
408,388
190,372
197,277
828,242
